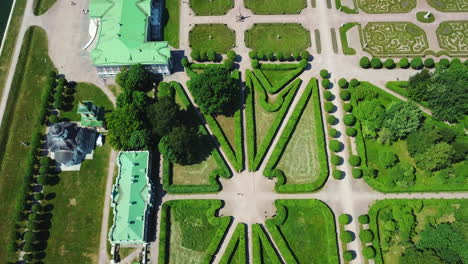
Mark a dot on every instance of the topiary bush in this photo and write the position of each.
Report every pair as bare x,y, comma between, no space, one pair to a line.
253,54
455,61
328,96
389,64
349,255
364,219
346,236
345,95
349,119
231,55
211,54
364,62
366,236
329,107
228,64
332,120
261,55
343,83
338,174
336,160
326,83
195,54
388,159
296,55
348,107
336,146
351,131
354,160
255,64
444,63
305,55
369,252
417,63
344,219
270,56
280,56
429,63
334,133
403,63
354,82
376,63
324,73
357,173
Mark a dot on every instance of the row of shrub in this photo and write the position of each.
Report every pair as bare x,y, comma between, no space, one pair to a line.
211,55
281,186
416,63
237,242
227,64
259,241
32,216
279,56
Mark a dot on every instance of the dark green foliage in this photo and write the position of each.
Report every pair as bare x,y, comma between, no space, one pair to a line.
134,78
417,63
402,118
363,219
305,55
349,119
366,236
336,160
369,252
195,54
436,157
140,139
332,120
348,107
261,55
344,219
328,96
345,95
349,255
326,83
253,54
389,64
364,62
354,82
180,146
429,63
228,64
185,62
414,256
376,63
351,131
338,174
329,107
403,63
255,64
402,175
165,89
203,55
231,55
357,173
324,73
215,91
346,236
343,83
388,159
270,56
333,133
336,146
354,160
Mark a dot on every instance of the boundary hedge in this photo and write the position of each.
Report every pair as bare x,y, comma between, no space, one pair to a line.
273,89
259,240
270,169
347,50
237,242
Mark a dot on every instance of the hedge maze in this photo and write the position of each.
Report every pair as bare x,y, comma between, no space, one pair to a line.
190,231
286,38
386,6
217,37
393,38
453,37
449,5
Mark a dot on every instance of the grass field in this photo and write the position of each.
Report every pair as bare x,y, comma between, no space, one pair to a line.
41,6
452,37
286,38
217,37
171,18
197,174
315,222
276,76
236,251
195,232
300,162
10,41
269,7
212,7
76,221
22,110
86,92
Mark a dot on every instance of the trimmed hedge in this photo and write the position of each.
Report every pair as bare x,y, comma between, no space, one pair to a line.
237,242
332,120
250,120
348,107
336,160
344,219
281,84
345,95
311,93
343,83
351,132
260,239
326,83
357,173
329,107
283,66
366,236
349,120
338,174
328,96
333,133
354,160
324,74
363,219
346,236
336,145
364,62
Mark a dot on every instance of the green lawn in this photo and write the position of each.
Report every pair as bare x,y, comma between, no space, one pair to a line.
236,251
269,7
193,231
10,41
197,174
263,120
76,221
217,37
263,250
211,7
41,6
22,111
286,38
171,18
86,92
276,76
228,125
314,221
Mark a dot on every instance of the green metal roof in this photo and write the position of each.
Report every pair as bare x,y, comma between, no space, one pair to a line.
130,198
122,34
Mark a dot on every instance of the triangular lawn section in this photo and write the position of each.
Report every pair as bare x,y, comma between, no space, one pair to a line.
263,250
278,78
275,76
264,116
236,251
303,134
197,178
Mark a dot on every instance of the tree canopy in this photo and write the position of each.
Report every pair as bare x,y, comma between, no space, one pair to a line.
402,118
135,78
215,91
180,146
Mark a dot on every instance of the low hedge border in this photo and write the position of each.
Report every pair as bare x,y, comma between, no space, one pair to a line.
345,9
222,170
260,239
347,50
280,85
399,87
311,92
237,242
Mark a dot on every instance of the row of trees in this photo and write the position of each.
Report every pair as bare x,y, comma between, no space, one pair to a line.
211,55
416,63
280,56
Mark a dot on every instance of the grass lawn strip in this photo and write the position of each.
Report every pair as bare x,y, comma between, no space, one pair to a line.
236,251
191,231
303,134
270,7
386,6
263,250
217,37
212,7
453,38
172,21
19,121
314,221
41,6
286,38
347,50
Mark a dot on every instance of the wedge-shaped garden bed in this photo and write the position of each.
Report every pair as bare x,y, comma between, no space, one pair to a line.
304,231
236,251
299,160
263,249
191,231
